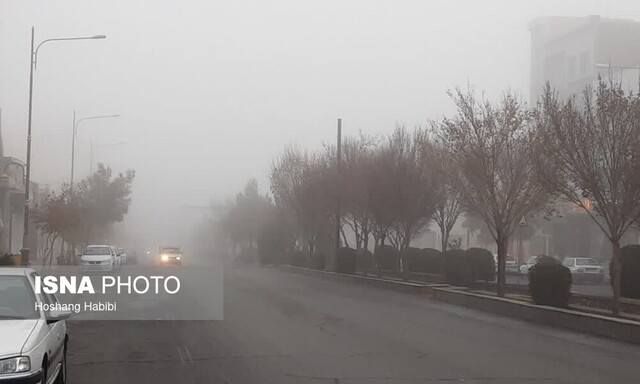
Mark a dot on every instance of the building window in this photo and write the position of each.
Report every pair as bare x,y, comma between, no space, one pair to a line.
584,63
571,70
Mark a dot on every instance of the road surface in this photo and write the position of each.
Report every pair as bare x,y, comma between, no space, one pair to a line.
281,327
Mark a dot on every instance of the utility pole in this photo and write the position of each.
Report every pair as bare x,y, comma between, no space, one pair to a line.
33,59
73,150
27,196
338,183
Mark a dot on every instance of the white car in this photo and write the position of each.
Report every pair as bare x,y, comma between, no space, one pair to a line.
511,265
524,268
98,258
584,269
33,340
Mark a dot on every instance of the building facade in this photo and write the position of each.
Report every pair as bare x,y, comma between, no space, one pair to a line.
571,53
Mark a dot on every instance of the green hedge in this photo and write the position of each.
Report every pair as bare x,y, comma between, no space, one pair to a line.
427,260
271,245
466,267
387,258
318,261
630,274
457,269
299,259
6,259
550,283
346,260
409,256
364,260
482,263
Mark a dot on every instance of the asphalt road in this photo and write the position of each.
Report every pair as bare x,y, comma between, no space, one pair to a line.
281,327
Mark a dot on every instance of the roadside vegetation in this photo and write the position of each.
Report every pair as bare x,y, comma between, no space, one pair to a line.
493,163
69,218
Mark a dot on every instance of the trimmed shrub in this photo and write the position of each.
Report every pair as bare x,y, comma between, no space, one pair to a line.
346,260
482,263
409,256
387,258
630,273
428,260
299,259
457,269
271,245
318,261
364,260
6,259
550,283
465,267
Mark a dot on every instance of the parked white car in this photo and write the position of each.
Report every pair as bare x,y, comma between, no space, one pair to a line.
584,269
98,258
511,265
524,268
33,340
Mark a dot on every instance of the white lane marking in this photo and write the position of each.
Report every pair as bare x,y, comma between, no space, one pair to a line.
181,355
188,353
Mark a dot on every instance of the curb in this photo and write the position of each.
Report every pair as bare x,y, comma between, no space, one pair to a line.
401,286
619,329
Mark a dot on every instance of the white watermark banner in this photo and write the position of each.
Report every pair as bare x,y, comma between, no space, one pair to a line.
134,292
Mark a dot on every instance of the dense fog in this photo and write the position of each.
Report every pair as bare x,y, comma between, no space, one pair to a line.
210,92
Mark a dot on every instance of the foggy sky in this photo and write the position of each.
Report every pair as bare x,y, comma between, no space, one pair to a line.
211,91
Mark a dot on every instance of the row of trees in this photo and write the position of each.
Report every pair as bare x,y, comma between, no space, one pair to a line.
68,218
497,161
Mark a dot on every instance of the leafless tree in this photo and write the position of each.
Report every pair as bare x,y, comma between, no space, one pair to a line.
493,146
357,162
304,185
402,189
592,159
449,186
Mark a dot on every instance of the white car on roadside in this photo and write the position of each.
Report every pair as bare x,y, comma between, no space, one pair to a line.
511,265
585,269
524,268
33,338
99,258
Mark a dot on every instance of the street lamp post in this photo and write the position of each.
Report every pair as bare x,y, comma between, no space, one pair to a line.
73,139
33,59
101,146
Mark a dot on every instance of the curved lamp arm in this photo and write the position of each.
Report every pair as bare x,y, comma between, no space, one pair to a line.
35,53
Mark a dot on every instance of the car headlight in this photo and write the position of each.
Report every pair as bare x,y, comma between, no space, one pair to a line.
108,261
178,258
15,365
164,258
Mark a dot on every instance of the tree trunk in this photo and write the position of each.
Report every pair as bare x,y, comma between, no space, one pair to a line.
615,283
344,237
502,242
445,239
365,240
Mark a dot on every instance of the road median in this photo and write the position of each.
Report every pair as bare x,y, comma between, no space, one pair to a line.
589,323
396,285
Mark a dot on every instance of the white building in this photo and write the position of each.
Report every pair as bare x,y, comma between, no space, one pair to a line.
571,52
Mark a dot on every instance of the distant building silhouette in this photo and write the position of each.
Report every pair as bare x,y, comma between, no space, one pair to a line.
571,52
